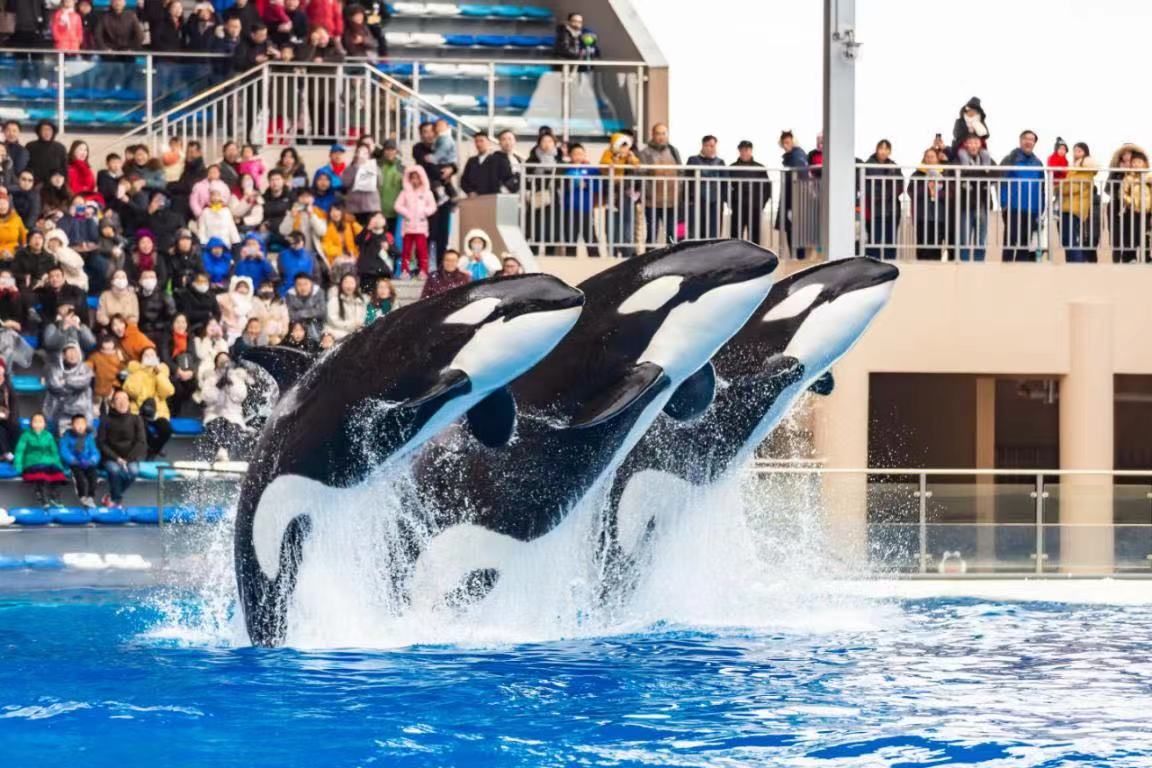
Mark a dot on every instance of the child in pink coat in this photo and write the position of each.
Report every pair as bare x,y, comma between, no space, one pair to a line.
415,204
252,164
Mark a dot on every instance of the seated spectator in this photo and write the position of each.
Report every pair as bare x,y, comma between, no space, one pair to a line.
37,459
335,168
324,194
7,173
32,262
178,352
235,307
71,262
307,219
448,276
81,225
479,261
512,267
296,259
14,350
295,174
247,205
382,302
123,444
252,264
278,201
78,452
298,338
13,309
209,343
573,42
69,388
81,178
144,257
224,388
217,262
148,386
9,415
13,233
162,221
306,305
361,183
119,299
46,156
488,171
347,308
252,337
129,338
201,195
157,309
173,159
415,205
339,244
106,363
269,308
183,260
16,150
25,198
375,261
251,164
108,180
54,292
217,222
197,303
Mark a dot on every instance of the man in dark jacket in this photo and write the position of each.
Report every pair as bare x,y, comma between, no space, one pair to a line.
448,276
123,443
157,309
163,221
796,162
55,293
487,171
16,151
706,193
26,198
253,49
32,261
197,303
572,42
118,29
46,155
749,194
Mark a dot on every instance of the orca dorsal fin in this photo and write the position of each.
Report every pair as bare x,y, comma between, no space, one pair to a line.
449,380
823,385
694,395
285,365
639,379
493,419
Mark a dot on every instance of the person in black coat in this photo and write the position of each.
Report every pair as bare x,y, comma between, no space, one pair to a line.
46,155
9,416
13,307
200,28
197,302
32,261
26,198
56,293
488,171
157,308
183,260
253,49
883,187
750,194
123,443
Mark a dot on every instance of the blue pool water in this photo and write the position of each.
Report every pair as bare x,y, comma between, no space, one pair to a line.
85,680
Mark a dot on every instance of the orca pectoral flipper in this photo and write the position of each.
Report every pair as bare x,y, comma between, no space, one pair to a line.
622,394
694,396
493,419
823,385
450,380
285,365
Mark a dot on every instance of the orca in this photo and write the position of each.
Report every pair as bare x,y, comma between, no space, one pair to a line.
649,327
807,323
377,396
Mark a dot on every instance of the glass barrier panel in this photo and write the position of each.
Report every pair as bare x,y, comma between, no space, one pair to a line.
600,101
28,86
177,79
980,523
894,535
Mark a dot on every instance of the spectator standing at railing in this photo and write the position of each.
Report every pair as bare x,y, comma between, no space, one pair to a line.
46,155
281,24
944,155
200,28
118,29
67,27
581,191
883,187
328,15
975,197
795,162
361,181
1120,223
1022,199
444,147
661,197
751,190
168,31
1079,208
320,47
928,191
361,39
228,37
816,157
391,181
972,121
573,42
246,12
507,141
16,150
88,18
254,49
620,160
1136,198
488,171
1059,159
706,193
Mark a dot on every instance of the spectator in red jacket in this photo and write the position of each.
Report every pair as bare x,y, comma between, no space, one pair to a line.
81,177
1059,159
68,27
328,14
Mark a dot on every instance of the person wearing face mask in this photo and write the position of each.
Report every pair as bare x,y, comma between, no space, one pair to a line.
235,307
271,311
178,352
120,299
209,343
71,262
183,261
156,308
223,388
68,385
80,225
361,180
149,386
197,303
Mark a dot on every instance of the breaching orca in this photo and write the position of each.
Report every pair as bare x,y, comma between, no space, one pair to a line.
378,395
809,320
642,345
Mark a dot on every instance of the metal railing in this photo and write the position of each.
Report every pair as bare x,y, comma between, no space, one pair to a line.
282,103
970,522
575,98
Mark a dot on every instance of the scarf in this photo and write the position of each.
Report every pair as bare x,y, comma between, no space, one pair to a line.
179,343
146,261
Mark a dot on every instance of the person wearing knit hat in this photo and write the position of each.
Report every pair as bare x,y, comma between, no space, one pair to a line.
1059,159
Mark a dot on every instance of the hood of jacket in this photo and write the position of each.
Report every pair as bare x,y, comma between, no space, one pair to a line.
477,233
1135,149
216,242
418,170
237,280
57,234
51,125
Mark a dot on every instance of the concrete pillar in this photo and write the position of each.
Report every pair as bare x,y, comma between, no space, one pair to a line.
1086,441
985,459
841,437
838,179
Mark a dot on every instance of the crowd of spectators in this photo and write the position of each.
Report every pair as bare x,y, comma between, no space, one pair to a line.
143,283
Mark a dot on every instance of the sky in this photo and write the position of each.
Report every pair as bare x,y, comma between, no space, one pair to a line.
1078,70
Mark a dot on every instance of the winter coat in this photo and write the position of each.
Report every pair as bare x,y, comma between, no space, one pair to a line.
293,262
310,310
26,204
113,302
416,205
119,31
975,185
219,266
1022,189
13,233
489,261
391,183
961,128
339,241
661,194
201,195
217,223
361,181
256,269
1078,190
276,207
144,383
377,310
69,392
487,174
440,281
55,338
750,190
273,316
14,350
134,342
122,436
81,179
36,449
198,307
312,224
928,191
71,262
157,310
46,157
206,351
67,30
224,402
882,188
235,308
1056,160
345,314
583,188
79,450
1136,191
328,14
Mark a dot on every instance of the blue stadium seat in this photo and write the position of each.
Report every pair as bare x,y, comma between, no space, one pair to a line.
27,385
32,340
110,516
531,41
7,471
150,470
93,302
493,41
30,516
536,12
44,562
186,427
10,563
460,40
143,515
181,515
71,516
477,10
25,422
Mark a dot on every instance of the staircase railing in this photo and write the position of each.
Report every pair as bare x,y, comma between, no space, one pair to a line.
298,103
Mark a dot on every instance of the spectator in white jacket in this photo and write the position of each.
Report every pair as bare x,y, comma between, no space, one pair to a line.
223,388
208,344
216,220
347,308
71,262
202,191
